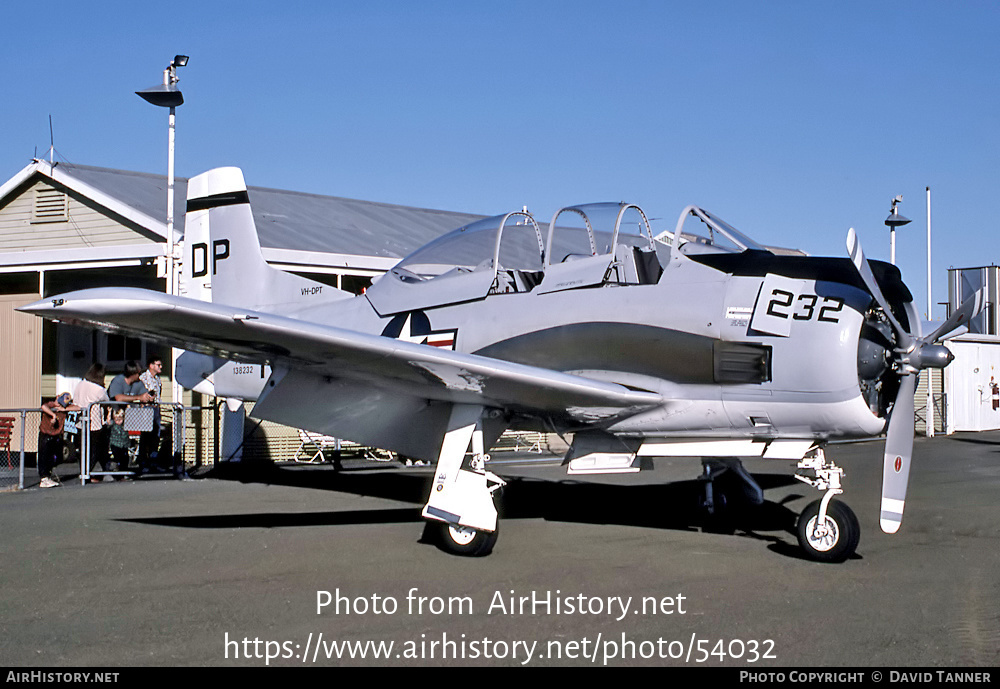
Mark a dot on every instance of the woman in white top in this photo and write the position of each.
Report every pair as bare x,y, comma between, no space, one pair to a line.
88,391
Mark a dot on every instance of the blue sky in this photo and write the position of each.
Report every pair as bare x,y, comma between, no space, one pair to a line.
791,120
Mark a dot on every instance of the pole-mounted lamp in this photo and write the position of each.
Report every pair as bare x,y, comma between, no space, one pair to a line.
892,222
167,95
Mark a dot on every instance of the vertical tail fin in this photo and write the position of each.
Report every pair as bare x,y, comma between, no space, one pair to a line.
224,253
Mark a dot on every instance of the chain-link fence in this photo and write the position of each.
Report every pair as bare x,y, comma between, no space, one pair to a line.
105,439
18,445
125,440
120,440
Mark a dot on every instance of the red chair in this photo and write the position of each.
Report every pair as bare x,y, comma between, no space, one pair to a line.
6,431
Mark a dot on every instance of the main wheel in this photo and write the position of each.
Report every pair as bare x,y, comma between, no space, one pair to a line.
462,540
835,539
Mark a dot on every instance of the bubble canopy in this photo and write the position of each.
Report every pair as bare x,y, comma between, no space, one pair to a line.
511,241
585,245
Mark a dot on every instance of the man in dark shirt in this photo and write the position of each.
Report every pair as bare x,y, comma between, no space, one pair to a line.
126,387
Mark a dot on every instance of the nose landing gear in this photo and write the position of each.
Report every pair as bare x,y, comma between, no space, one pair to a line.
827,529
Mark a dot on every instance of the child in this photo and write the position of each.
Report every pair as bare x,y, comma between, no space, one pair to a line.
119,441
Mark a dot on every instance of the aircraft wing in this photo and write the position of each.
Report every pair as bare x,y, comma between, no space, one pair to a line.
393,366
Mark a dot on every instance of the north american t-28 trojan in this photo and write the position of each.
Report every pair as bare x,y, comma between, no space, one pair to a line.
704,345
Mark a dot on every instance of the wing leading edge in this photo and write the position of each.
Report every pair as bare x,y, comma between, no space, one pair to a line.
417,371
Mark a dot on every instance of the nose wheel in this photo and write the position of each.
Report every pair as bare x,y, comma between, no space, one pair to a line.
831,538
828,530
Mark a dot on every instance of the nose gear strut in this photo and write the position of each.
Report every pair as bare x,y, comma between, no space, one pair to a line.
827,529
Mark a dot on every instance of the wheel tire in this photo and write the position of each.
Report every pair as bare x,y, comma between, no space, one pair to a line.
461,540
837,541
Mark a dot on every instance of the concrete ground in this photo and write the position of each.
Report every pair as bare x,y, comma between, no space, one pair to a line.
232,568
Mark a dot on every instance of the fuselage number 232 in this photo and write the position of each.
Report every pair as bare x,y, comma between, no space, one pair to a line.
784,304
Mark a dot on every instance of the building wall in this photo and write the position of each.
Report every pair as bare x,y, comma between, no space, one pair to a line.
20,360
21,355
36,220
972,383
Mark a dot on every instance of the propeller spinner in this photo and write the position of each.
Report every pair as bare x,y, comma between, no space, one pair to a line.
912,354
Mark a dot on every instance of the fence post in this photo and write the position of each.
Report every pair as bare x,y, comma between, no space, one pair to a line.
24,429
215,433
85,447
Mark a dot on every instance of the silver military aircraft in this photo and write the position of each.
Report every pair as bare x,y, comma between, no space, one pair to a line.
699,343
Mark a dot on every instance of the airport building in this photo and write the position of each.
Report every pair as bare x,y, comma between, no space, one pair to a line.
971,384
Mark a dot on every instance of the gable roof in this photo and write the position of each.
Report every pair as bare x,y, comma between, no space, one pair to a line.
294,228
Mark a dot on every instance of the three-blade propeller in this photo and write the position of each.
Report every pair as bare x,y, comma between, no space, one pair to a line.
912,354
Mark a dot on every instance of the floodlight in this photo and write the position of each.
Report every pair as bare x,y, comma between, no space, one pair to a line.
895,219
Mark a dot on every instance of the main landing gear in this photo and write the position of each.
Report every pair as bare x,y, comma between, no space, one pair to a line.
464,540
726,487
827,529
460,508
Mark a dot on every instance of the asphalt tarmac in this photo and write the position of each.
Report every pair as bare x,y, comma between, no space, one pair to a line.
281,566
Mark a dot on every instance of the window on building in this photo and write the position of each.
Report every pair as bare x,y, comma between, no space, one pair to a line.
121,349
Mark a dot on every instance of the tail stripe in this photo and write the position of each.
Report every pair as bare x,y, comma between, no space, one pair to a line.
230,198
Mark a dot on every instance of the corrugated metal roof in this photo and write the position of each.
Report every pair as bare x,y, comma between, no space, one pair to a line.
291,220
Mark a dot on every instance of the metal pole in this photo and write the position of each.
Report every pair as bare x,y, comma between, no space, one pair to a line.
85,446
175,391
929,302
930,375
892,245
170,200
24,430
216,411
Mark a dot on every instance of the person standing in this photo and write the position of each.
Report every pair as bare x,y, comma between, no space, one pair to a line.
50,443
149,441
125,387
118,439
90,393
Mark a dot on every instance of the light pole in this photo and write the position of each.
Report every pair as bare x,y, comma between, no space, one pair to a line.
892,222
167,95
